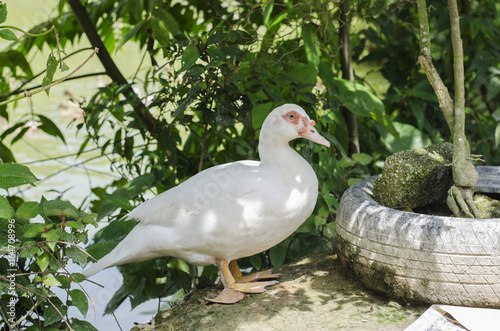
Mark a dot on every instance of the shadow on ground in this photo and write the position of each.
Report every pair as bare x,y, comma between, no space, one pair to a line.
313,294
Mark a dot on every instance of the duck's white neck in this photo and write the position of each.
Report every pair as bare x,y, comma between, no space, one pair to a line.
275,151
281,156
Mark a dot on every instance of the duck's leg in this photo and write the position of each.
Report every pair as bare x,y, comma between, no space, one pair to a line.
235,271
233,291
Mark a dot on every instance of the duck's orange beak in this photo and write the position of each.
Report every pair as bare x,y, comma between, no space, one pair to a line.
309,132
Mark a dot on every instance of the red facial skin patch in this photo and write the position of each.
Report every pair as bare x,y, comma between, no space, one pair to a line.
292,117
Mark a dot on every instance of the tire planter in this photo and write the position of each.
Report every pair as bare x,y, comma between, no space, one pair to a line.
418,257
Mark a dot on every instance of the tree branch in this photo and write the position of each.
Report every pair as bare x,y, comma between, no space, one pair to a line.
442,94
43,88
348,72
464,173
425,60
109,65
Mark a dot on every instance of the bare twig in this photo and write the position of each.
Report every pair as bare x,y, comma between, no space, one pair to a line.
25,316
27,95
72,276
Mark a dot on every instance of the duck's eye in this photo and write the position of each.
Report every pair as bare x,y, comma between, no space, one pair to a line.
291,116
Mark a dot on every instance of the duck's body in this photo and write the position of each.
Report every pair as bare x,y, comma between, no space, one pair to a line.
232,210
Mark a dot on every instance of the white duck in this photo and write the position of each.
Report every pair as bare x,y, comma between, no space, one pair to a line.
230,211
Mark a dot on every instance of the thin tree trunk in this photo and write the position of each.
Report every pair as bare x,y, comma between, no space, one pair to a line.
348,73
109,65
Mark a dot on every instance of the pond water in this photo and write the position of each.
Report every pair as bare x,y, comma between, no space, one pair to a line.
55,164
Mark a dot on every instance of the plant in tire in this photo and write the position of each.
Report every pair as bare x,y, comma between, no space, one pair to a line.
465,176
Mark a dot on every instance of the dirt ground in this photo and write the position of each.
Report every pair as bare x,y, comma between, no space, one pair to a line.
313,294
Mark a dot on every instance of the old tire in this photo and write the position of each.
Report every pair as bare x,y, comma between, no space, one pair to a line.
419,257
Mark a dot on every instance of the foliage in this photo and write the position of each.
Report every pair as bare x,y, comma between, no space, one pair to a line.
36,255
209,74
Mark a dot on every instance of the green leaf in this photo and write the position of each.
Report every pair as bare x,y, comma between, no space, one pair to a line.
129,35
29,252
19,135
50,127
80,301
493,88
167,20
49,280
64,280
13,174
118,201
64,67
278,19
100,249
76,255
312,45
128,192
79,277
6,155
27,210
216,54
352,181
51,236
3,12
7,34
43,261
256,261
160,32
50,71
195,71
410,138
120,295
268,9
189,57
362,158
6,210
179,265
34,230
90,219
79,325
54,207
277,255
216,38
497,135
51,315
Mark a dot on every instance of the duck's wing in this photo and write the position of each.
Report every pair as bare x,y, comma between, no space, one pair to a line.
216,186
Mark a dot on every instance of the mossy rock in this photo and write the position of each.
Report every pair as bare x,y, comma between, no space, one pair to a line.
415,178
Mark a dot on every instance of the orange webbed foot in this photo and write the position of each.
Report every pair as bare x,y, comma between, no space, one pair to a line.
228,296
235,284
268,274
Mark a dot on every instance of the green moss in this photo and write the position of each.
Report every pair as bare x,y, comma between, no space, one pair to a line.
382,276
488,207
415,178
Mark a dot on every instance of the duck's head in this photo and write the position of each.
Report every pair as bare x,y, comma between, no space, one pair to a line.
288,122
